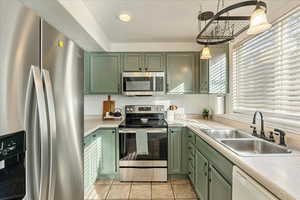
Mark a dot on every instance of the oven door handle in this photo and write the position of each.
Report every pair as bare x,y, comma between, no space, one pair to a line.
147,130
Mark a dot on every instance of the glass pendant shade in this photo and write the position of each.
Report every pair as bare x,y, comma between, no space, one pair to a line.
258,22
205,53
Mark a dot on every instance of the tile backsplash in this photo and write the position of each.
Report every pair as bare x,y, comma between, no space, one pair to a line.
187,104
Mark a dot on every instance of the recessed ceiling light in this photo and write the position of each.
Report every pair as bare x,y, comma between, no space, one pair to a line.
124,17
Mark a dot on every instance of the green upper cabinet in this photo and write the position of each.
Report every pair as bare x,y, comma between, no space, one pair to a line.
154,62
174,151
181,73
103,73
133,62
86,73
218,186
151,62
204,79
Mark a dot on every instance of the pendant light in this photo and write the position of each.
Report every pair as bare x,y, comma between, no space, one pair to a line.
205,53
258,21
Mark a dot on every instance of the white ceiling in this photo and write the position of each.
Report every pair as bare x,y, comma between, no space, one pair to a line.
159,20
157,25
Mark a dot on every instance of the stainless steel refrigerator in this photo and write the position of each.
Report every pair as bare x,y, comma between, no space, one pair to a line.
41,108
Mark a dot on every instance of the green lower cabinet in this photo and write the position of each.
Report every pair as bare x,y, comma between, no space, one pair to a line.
209,171
107,147
100,156
201,176
174,150
87,163
184,151
219,188
91,160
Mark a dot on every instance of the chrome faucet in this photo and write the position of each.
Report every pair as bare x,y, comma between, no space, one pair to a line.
262,131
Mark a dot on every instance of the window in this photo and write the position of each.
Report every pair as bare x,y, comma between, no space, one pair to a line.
218,70
217,75
266,73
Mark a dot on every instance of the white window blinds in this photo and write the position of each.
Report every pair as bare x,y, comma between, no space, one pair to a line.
266,72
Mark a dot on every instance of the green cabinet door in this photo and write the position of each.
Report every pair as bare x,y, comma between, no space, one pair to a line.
104,73
180,73
184,151
154,62
174,151
107,147
87,164
219,188
86,73
133,62
201,176
204,73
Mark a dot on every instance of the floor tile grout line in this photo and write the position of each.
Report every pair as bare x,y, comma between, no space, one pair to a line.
106,196
130,190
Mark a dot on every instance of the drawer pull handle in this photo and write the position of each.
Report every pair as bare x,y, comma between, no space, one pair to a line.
190,148
189,136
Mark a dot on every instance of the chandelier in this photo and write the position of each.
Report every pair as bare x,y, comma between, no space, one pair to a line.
223,27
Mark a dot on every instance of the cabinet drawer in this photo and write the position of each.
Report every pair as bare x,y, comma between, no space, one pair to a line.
191,137
105,131
223,165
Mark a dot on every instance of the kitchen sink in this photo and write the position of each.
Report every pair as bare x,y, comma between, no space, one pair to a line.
226,133
251,147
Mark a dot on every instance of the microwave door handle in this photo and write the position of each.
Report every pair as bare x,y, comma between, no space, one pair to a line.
52,129
36,173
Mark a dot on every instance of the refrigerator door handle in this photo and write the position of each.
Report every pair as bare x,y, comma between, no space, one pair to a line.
52,128
36,176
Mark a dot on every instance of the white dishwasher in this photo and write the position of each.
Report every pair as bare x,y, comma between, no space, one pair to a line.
246,188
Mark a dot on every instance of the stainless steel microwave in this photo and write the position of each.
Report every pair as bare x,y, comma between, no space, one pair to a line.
143,83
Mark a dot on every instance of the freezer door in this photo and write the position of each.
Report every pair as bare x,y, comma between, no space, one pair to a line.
64,61
19,49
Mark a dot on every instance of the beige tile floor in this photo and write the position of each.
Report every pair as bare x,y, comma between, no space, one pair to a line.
177,189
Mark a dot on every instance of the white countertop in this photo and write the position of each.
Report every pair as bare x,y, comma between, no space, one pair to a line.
94,122
279,174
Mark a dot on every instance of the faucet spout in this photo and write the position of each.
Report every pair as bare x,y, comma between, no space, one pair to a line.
262,131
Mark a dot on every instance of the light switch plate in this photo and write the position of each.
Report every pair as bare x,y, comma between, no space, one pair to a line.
2,164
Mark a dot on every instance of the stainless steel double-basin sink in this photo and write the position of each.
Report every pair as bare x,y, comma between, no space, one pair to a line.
245,144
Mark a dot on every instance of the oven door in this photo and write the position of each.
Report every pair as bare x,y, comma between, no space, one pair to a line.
143,147
138,83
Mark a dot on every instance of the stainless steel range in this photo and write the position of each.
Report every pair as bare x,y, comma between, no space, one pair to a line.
143,144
